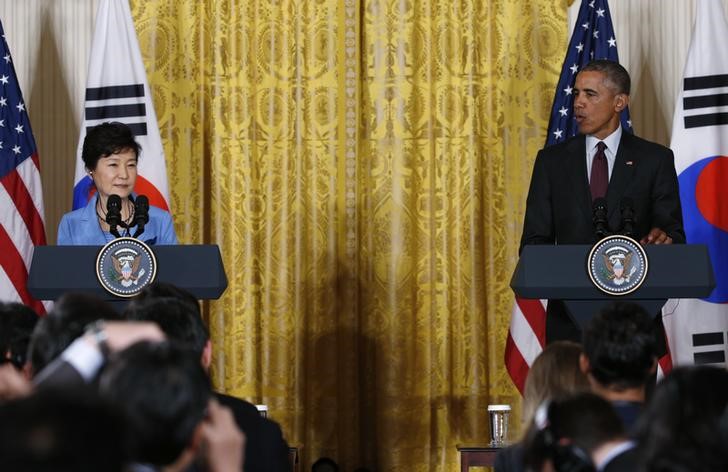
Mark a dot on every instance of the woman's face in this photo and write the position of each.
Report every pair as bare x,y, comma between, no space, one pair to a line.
116,174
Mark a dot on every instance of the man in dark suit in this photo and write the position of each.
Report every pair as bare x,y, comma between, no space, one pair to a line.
177,313
620,358
603,161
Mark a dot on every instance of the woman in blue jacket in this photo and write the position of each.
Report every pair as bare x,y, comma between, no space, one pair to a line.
110,155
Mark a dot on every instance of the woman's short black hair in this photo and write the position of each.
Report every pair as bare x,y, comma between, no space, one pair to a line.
106,139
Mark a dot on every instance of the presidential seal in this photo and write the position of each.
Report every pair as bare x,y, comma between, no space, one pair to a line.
617,265
125,266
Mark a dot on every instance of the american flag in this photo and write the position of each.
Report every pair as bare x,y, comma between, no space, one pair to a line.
21,195
593,38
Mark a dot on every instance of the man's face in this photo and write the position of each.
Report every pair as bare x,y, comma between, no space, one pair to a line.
596,104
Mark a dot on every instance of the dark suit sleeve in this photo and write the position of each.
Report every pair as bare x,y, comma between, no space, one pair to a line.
265,448
273,448
509,459
59,375
538,224
666,209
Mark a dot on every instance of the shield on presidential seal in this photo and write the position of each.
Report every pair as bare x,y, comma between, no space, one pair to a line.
125,266
617,265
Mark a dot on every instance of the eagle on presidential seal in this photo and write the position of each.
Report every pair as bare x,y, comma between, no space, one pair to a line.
126,268
618,261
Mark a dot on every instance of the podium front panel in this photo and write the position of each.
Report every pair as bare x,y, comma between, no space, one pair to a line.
56,270
560,272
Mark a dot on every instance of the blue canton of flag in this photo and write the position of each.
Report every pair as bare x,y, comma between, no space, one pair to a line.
16,138
21,197
593,38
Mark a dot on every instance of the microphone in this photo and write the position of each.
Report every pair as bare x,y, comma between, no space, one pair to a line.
141,214
599,217
113,213
626,207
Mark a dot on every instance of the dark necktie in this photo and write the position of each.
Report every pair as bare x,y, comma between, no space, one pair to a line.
599,173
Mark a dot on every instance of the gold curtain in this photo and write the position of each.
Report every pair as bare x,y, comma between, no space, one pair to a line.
363,166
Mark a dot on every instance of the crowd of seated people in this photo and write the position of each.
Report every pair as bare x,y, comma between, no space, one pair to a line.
681,426
86,388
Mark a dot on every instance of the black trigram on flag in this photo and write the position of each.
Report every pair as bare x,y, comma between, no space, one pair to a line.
709,348
704,94
123,103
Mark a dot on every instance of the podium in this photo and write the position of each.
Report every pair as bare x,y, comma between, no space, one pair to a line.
56,270
560,273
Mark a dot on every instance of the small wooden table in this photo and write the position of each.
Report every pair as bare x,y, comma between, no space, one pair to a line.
476,456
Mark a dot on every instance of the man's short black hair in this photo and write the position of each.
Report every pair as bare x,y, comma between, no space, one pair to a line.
614,73
621,345
106,139
164,289
17,322
65,322
163,391
178,316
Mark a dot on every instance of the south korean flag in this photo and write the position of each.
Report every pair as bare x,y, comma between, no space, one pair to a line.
697,330
117,90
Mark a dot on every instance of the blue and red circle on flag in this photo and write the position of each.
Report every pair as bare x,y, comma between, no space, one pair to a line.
704,197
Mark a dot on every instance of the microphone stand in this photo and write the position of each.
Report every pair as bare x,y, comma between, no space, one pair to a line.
113,214
141,214
599,218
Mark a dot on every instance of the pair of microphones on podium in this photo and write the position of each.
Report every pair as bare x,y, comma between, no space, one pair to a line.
599,217
113,215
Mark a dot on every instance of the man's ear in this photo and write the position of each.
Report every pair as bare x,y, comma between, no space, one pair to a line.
27,371
207,355
653,369
584,365
196,439
621,101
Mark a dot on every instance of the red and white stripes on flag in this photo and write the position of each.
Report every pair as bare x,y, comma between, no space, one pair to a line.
21,194
526,338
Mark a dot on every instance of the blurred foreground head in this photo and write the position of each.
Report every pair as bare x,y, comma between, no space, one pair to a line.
53,432
163,391
685,424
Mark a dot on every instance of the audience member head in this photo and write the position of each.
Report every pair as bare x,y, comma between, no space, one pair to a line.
680,429
567,431
17,322
163,391
66,322
325,464
164,290
554,373
54,432
178,315
620,348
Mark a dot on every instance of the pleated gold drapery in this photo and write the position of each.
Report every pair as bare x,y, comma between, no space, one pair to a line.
363,166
